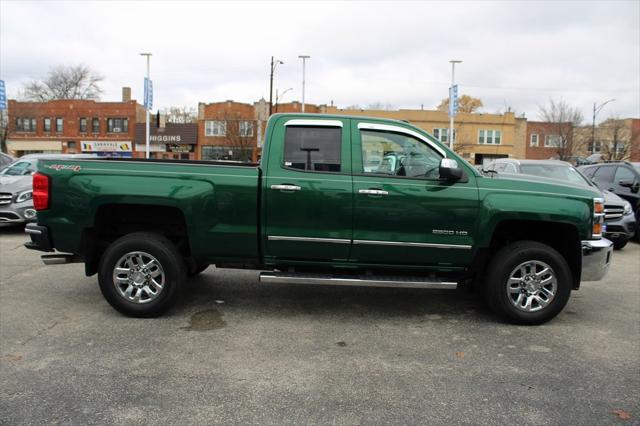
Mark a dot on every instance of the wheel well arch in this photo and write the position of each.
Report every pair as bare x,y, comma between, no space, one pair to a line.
563,237
113,221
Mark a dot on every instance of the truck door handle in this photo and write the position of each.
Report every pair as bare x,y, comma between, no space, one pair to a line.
373,192
285,187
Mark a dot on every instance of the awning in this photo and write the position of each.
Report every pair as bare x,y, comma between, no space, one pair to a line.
34,145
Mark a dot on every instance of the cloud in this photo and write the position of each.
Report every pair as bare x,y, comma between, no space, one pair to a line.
516,54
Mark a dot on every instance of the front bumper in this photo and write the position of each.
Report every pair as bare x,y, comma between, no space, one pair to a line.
596,259
621,229
17,214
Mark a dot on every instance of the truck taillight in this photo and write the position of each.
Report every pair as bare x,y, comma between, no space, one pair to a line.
598,218
40,191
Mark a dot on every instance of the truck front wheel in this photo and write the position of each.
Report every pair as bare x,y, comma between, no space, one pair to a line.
528,282
140,273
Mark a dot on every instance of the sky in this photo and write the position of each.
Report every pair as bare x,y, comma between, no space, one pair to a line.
516,55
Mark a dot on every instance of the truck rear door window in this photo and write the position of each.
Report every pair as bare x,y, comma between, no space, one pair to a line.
313,148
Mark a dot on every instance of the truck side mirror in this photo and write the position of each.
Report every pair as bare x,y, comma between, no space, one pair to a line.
449,169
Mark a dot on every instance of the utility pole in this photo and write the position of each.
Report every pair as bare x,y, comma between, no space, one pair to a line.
148,87
273,68
596,110
304,63
451,110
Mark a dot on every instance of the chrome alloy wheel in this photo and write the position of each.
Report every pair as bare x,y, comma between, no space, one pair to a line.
532,286
138,277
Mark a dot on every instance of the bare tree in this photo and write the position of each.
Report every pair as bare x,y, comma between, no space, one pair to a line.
616,137
239,135
65,82
181,114
4,129
466,103
562,119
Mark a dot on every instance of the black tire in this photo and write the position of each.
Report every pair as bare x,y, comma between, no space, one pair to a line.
172,268
500,269
619,244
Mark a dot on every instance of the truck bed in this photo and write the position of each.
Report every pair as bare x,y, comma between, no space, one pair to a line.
217,201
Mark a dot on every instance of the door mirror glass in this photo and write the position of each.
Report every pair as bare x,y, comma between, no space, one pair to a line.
449,169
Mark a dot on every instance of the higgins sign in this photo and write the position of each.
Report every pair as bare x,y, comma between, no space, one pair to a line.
171,133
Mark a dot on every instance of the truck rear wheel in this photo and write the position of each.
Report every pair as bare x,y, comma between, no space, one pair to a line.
140,273
528,282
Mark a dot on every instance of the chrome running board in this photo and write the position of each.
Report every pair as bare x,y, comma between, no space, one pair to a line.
362,280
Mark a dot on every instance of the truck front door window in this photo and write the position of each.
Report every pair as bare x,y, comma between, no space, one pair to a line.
313,148
396,154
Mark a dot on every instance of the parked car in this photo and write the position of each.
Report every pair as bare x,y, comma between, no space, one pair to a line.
310,213
5,160
620,223
620,177
16,204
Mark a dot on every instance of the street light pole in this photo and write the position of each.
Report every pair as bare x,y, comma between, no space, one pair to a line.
451,115
148,55
304,63
273,68
596,110
281,96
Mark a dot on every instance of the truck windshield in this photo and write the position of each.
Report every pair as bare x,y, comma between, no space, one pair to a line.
555,171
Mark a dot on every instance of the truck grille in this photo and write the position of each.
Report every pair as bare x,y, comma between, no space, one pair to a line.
613,212
5,198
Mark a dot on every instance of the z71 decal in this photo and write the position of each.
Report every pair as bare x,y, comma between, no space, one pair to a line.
59,167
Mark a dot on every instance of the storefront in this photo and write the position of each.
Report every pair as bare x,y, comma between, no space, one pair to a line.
175,141
107,148
18,148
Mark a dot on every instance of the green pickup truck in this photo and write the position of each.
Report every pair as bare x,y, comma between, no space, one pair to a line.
335,200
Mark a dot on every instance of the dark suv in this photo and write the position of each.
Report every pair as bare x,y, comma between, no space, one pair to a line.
622,178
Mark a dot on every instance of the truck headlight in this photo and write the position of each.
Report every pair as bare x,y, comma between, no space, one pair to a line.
627,209
24,196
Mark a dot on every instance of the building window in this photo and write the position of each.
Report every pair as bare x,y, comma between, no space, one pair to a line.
71,145
25,124
83,125
491,137
598,147
215,128
443,134
552,141
46,124
59,125
246,129
534,139
228,153
95,125
117,125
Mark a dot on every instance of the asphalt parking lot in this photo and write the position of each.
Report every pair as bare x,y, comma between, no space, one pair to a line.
236,351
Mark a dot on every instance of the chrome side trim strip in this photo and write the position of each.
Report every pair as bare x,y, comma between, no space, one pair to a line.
325,123
276,278
407,244
309,239
32,231
398,129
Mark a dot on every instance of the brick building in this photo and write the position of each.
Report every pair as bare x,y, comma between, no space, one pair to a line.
549,140
635,140
228,131
73,126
